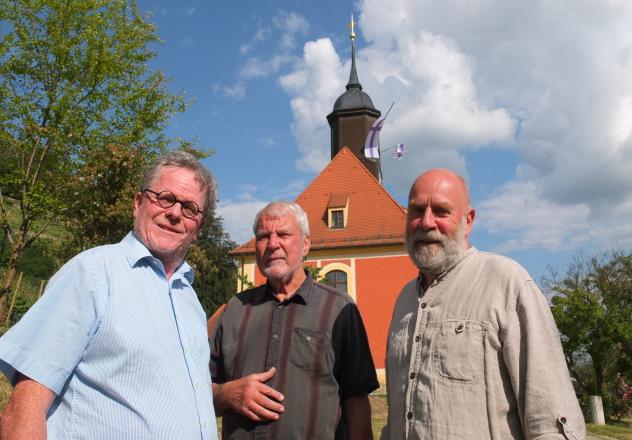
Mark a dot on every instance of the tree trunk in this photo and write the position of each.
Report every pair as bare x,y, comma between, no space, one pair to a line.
17,250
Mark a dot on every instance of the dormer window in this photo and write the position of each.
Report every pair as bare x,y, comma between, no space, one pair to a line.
337,219
337,211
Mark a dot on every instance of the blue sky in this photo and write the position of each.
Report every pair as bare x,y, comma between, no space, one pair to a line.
531,100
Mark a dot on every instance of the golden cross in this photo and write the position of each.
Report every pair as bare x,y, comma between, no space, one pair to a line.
352,27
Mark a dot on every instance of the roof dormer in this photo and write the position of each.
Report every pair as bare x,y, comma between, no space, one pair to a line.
338,211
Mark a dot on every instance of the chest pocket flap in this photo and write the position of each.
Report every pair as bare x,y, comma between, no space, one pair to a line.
458,351
311,351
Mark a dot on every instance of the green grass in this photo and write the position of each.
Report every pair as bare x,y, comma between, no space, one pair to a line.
5,391
621,430
54,231
379,411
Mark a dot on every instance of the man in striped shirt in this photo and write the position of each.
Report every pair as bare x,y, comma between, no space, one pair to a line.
290,358
117,346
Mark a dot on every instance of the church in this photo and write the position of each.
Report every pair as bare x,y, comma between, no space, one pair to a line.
356,226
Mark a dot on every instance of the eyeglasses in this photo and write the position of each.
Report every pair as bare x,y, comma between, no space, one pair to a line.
166,199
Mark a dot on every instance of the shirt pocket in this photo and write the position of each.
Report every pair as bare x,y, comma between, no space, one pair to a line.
311,351
458,351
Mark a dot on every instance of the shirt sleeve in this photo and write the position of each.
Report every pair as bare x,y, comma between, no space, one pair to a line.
532,351
217,361
48,342
353,368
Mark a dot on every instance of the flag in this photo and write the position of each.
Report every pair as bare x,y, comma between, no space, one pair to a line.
371,145
399,151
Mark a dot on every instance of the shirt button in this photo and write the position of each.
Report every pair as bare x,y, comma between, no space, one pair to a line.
409,415
412,375
417,338
423,305
275,336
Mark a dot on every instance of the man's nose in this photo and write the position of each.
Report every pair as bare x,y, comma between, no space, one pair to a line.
427,220
174,211
273,241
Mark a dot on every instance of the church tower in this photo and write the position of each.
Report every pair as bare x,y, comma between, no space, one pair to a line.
352,117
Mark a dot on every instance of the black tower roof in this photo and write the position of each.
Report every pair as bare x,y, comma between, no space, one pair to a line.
354,98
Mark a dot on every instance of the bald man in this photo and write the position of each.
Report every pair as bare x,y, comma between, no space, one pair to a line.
473,351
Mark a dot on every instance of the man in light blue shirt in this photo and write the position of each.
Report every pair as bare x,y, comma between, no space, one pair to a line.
117,346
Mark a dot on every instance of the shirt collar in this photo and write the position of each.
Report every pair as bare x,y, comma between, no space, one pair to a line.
301,295
447,273
136,251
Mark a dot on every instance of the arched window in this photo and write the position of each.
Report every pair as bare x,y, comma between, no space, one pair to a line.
336,279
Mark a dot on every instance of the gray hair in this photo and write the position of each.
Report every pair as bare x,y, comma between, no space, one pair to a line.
283,207
182,159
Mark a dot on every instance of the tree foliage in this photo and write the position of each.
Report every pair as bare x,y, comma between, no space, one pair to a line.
592,307
215,269
77,100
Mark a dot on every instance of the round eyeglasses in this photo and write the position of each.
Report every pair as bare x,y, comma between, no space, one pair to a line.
166,199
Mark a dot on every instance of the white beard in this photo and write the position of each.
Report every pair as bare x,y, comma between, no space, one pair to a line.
434,259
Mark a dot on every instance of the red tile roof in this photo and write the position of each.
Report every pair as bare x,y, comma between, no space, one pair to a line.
374,217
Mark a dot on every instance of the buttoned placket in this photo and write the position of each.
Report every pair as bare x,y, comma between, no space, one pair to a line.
272,354
186,351
421,322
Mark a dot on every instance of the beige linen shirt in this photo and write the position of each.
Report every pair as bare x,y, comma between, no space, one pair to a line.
477,356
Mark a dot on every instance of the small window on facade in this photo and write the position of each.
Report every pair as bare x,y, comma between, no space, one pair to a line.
337,279
337,219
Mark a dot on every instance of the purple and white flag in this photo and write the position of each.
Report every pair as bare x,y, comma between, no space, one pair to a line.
371,145
400,149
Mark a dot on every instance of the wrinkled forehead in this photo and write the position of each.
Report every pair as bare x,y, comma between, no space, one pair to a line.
276,221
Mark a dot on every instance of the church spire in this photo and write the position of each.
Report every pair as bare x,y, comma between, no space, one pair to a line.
353,115
353,83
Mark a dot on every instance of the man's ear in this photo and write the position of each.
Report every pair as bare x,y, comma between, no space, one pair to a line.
469,221
138,199
306,244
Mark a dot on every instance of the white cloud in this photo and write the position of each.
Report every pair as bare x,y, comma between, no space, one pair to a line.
259,68
314,85
259,36
238,217
237,91
268,141
285,27
549,80
290,24
518,210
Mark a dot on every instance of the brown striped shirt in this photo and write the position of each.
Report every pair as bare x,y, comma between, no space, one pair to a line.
318,344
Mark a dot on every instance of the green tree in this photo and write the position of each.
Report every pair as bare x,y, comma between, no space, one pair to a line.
103,189
592,306
215,269
74,82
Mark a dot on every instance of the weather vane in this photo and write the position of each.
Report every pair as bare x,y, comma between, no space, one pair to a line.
352,27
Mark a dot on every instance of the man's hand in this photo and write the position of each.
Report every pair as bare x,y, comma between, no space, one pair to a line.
249,396
25,415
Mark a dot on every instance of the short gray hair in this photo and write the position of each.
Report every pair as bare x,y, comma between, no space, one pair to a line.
283,207
182,159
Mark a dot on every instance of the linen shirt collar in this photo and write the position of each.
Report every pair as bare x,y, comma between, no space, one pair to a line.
445,274
136,251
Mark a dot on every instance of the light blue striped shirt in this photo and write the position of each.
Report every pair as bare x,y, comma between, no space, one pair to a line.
125,350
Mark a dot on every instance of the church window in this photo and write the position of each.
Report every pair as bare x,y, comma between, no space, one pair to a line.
336,279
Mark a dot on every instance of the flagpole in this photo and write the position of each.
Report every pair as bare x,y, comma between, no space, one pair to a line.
389,110
379,142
